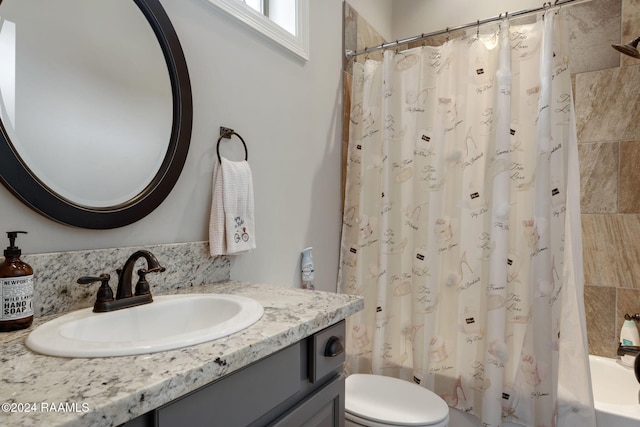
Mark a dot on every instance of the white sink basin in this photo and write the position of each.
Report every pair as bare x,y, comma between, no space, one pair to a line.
169,322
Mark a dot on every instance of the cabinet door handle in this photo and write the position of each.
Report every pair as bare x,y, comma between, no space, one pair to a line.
333,347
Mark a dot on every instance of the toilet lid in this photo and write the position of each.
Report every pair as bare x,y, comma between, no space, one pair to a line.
393,401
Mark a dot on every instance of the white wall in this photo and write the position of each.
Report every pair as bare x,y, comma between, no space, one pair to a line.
414,17
288,112
399,19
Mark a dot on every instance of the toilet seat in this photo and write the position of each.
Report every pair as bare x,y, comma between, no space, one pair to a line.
379,401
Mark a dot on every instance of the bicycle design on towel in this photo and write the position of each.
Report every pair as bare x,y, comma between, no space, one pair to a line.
241,232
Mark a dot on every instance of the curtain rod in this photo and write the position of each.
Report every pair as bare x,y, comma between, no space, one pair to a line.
547,5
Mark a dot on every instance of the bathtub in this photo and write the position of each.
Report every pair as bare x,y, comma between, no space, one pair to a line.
615,392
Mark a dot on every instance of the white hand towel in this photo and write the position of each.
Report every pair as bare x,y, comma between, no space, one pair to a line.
217,236
232,225
237,189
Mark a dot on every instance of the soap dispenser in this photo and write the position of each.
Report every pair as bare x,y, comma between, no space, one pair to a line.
16,288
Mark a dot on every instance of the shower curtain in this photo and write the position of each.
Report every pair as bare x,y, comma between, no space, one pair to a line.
461,225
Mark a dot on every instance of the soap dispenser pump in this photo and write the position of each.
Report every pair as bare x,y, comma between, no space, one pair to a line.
16,288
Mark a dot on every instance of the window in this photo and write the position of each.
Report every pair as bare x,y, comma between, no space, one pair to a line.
283,21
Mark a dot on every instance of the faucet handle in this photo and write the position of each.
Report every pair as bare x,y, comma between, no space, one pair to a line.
104,295
142,287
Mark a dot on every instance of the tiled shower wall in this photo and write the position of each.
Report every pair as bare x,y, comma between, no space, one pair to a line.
607,98
608,121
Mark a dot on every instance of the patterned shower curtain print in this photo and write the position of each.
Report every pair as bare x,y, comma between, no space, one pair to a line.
455,227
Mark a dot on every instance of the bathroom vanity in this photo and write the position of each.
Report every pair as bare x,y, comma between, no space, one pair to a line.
284,370
296,386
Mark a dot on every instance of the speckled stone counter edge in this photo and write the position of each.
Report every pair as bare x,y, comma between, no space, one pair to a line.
118,389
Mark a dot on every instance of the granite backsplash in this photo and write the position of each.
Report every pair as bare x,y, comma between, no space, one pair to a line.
55,274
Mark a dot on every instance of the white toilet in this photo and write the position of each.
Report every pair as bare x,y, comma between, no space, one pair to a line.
379,401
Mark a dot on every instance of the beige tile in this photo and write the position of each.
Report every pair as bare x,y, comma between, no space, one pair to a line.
629,180
608,105
440,39
350,22
627,302
630,28
368,37
523,20
599,177
600,309
611,250
350,33
593,27
359,34
347,80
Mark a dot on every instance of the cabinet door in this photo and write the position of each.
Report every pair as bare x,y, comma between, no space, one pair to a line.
323,408
240,398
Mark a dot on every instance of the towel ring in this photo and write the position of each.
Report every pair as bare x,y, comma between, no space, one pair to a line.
227,134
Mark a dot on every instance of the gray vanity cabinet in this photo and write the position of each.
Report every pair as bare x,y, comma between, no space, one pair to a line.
301,385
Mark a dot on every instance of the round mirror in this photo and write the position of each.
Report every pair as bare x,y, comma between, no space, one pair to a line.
95,108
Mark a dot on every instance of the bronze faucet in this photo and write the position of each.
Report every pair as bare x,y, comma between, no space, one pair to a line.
125,297
632,350
125,283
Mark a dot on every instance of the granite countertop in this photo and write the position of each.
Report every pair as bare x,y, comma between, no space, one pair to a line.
57,391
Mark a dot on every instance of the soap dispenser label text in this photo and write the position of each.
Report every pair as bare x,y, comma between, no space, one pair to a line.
16,293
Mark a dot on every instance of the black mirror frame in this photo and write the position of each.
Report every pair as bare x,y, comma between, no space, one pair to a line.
18,178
